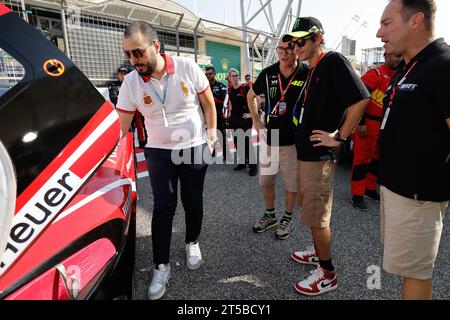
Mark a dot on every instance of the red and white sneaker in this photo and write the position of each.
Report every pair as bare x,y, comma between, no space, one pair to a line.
320,281
308,256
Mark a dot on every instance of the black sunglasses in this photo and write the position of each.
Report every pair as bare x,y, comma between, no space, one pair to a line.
302,41
209,73
288,50
137,53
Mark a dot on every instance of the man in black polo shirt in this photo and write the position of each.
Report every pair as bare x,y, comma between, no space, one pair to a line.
330,108
414,145
114,87
281,83
219,91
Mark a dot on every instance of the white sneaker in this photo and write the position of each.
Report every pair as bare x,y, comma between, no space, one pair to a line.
309,256
318,282
159,282
193,256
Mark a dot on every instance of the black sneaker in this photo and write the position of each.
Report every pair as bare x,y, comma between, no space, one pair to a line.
358,203
240,167
253,171
372,195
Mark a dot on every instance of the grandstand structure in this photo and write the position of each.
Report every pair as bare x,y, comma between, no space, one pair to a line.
371,57
90,33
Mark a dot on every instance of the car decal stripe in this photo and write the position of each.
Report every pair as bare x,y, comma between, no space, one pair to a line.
92,197
48,201
73,145
89,157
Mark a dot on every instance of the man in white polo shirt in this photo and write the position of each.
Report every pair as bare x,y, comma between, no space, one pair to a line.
175,98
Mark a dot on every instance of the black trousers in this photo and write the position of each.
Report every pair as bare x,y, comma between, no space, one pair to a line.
221,126
164,177
250,152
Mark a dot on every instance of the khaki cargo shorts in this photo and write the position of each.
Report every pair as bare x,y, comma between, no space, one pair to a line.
315,194
411,231
276,158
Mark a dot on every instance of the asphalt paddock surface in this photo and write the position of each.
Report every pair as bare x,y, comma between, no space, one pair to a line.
242,265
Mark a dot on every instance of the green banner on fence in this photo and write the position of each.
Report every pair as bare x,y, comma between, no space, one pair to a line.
224,57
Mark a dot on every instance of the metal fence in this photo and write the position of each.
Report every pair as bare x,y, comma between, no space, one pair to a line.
11,71
90,33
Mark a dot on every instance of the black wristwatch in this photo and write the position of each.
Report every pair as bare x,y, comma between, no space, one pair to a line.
337,137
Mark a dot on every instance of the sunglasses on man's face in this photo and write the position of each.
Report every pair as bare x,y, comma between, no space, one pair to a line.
137,53
302,41
288,50
209,74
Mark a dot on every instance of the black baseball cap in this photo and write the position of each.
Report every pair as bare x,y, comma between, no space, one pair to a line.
303,27
122,69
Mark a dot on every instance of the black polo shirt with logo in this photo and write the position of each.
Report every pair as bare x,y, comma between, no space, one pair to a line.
415,139
333,87
268,84
219,91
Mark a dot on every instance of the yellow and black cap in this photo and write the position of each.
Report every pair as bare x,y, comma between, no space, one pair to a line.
303,27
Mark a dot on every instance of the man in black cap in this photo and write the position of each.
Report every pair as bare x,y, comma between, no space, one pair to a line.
114,86
137,124
329,109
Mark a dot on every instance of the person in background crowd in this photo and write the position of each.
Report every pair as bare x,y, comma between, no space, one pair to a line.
365,149
248,80
241,118
114,87
137,124
220,92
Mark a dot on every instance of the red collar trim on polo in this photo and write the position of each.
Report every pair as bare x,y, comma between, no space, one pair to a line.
170,67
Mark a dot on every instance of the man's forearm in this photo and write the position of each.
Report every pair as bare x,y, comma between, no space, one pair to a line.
252,105
211,117
209,110
354,115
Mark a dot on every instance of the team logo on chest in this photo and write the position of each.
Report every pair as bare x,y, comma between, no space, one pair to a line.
273,92
148,101
184,88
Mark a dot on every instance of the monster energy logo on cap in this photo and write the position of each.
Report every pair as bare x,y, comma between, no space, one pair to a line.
303,27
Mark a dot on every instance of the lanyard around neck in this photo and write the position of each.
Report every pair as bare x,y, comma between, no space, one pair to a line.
308,80
283,91
166,83
396,85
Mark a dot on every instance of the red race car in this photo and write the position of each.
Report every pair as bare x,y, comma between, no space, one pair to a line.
67,180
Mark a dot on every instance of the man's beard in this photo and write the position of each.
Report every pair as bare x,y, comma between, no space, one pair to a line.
151,67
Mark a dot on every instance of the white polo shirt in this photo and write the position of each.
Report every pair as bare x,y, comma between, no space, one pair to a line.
179,123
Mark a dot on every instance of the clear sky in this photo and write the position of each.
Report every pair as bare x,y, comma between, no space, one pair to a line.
335,15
